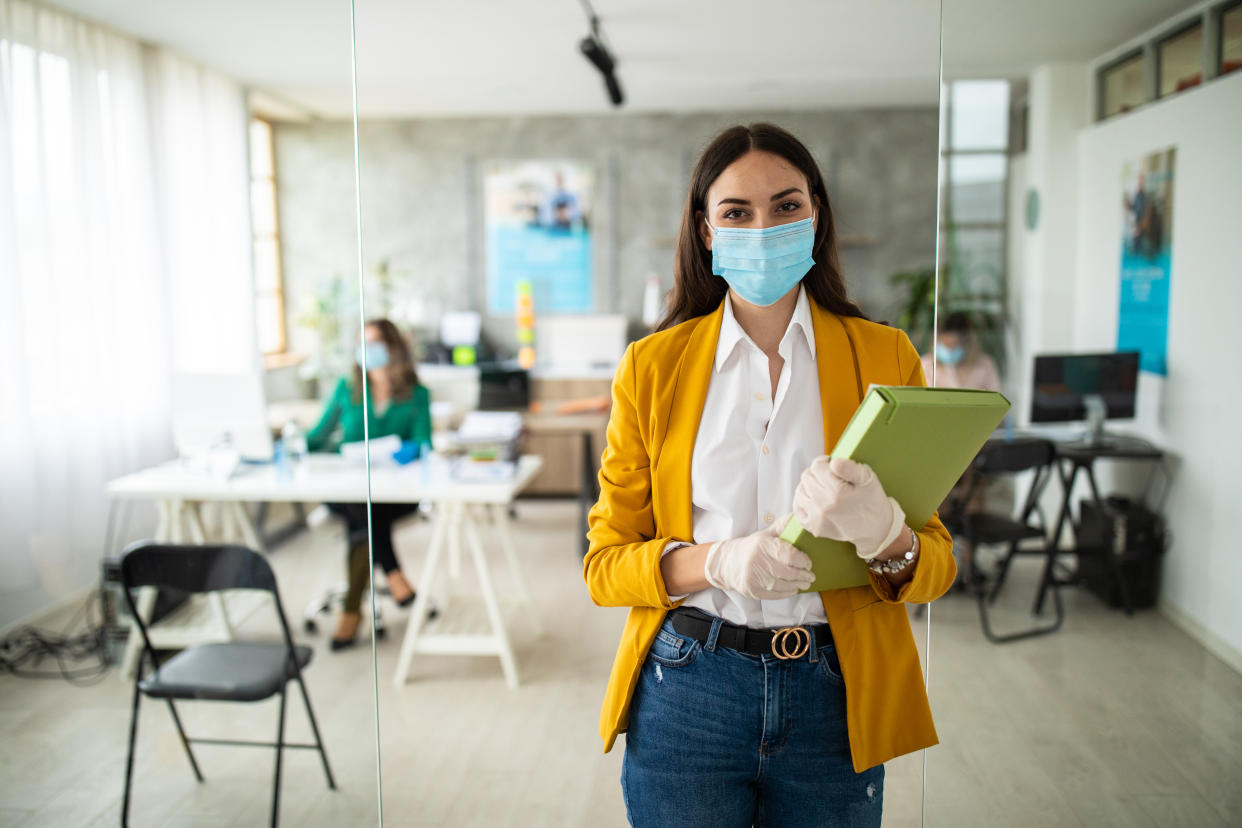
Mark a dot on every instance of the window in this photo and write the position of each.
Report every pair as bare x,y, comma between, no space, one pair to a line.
268,284
1180,61
1231,39
973,218
1121,86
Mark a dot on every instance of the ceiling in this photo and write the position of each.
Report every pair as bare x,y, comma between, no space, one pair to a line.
489,57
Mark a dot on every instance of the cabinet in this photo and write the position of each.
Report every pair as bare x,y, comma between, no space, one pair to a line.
559,439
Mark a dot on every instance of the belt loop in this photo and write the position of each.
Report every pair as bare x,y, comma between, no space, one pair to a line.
712,635
814,656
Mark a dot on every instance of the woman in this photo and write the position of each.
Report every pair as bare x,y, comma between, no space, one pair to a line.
397,405
719,425
959,361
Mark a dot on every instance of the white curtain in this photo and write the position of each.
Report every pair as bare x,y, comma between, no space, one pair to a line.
111,255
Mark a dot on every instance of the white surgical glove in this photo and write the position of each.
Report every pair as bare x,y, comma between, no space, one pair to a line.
759,566
843,500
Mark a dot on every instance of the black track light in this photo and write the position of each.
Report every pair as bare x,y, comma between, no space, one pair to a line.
593,48
602,59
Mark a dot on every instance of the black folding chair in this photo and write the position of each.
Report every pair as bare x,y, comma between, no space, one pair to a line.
237,671
1003,458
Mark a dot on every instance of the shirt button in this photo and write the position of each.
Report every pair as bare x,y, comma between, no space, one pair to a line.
758,395
769,517
765,450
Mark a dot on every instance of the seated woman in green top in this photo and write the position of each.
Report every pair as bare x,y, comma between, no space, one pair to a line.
397,405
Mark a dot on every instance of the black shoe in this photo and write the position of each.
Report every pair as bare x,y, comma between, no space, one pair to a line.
407,600
342,643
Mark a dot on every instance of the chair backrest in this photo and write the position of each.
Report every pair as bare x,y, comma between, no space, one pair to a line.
195,569
1016,455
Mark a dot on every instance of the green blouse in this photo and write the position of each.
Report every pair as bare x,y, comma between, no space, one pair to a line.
409,419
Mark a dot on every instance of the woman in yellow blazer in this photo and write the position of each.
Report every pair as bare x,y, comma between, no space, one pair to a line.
745,702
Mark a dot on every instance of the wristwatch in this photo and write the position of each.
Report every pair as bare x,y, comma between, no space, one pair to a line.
895,565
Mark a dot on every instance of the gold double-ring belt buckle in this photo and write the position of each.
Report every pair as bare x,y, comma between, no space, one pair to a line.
784,648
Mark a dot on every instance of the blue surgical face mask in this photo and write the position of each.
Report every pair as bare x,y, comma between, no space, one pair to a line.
376,354
949,356
763,264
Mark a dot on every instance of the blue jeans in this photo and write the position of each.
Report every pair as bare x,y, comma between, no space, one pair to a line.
719,738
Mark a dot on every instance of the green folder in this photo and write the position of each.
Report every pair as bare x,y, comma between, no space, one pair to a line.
918,441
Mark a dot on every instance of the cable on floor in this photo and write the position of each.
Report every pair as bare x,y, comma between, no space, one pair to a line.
24,650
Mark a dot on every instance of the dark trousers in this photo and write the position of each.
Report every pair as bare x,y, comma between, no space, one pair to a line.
383,516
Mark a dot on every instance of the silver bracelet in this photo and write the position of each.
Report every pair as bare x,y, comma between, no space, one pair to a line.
895,565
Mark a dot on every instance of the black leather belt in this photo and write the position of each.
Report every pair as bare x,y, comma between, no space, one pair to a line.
783,642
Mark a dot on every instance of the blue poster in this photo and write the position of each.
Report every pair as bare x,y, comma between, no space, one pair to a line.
538,230
1146,260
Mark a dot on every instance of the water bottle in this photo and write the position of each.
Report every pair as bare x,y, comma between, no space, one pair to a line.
293,441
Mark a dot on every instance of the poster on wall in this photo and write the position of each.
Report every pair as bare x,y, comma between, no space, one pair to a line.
537,221
1146,258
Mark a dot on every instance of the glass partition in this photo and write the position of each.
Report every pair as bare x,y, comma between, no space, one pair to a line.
166,326
1080,614
520,229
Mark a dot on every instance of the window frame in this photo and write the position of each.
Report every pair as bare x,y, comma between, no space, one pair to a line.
1163,40
1220,13
1101,77
278,291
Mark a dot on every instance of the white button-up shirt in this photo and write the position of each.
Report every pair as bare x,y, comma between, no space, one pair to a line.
751,451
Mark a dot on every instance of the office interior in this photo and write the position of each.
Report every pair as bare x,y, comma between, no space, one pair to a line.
201,203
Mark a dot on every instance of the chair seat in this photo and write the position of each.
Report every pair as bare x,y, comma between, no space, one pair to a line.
987,529
230,671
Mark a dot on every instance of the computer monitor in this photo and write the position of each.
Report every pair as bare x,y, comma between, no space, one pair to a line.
503,388
1091,387
211,410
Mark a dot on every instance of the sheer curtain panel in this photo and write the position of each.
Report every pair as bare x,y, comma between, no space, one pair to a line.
94,279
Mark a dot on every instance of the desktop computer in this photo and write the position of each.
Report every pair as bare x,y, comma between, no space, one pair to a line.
1091,387
1133,536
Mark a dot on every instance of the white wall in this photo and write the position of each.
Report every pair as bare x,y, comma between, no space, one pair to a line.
1058,112
1194,412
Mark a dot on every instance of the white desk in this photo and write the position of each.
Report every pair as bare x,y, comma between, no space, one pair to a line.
180,493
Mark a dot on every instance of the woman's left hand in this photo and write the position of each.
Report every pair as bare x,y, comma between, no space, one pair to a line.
843,500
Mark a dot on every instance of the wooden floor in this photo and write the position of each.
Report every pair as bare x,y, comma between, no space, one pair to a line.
1111,721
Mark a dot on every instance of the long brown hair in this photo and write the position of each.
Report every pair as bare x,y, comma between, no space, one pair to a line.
400,369
696,290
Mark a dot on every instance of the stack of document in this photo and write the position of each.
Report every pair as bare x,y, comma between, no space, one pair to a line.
490,435
490,426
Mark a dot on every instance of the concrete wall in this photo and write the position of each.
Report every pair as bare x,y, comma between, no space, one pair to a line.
421,193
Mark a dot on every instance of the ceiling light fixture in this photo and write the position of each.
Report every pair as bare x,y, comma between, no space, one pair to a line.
593,48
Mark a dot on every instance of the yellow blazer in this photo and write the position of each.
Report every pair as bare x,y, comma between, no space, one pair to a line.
644,503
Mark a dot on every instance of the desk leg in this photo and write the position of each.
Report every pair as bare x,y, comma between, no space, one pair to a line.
500,519
457,511
441,517
165,516
194,521
508,662
585,499
1054,544
241,519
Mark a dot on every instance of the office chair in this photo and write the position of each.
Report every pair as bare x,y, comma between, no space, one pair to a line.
332,598
1000,458
236,671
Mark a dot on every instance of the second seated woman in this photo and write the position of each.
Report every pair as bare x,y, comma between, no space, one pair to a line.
397,405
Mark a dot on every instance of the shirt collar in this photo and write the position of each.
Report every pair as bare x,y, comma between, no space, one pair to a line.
731,333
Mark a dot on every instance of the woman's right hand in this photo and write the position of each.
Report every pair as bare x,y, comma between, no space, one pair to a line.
759,566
